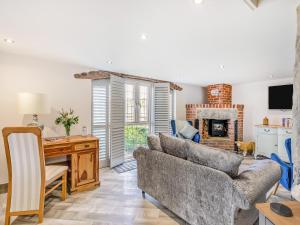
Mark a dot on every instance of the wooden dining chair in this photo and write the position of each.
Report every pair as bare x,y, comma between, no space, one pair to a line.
28,177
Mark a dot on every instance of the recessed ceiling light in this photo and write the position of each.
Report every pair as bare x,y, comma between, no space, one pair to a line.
8,41
198,1
222,67
109,62
144,36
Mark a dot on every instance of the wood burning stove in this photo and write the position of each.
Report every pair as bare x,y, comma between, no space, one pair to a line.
218,128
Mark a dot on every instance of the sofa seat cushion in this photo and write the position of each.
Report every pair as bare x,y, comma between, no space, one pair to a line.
188,132
255,180
52,171
154,142
219,159
174,146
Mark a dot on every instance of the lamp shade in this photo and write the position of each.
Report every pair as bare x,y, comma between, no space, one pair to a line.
33,103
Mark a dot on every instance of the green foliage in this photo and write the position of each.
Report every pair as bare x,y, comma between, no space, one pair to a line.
135,136
67,119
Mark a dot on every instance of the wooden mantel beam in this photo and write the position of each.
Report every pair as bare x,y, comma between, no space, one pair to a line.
101,74
252,3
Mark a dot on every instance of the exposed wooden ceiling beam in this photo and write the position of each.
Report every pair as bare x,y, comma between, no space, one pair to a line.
253,4
101,74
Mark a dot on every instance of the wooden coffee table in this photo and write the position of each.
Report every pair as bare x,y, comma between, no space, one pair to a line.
268,217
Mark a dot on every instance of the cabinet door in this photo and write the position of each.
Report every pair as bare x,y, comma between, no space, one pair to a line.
86,167
267,144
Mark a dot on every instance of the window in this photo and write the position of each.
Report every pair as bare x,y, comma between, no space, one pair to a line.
130,103
143,104
137,103
137,115
140,117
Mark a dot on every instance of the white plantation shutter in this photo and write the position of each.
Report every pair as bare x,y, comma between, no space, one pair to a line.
100,112
117,117
161,108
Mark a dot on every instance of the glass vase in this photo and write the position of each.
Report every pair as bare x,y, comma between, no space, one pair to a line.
68,131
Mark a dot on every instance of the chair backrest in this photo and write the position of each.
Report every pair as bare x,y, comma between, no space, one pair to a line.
288,148
173,126
26,168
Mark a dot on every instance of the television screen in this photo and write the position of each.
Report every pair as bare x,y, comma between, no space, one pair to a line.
281,97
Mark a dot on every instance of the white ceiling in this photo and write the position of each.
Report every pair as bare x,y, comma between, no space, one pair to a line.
185,42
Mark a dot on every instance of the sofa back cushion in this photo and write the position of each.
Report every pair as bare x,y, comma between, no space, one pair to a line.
154,142
174,146
215,158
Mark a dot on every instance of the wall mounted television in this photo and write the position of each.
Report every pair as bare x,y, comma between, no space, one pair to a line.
281,97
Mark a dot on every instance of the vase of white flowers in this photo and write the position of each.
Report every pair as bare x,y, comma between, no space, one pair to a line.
67,119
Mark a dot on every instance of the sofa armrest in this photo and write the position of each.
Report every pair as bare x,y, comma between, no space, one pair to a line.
140,151
255,182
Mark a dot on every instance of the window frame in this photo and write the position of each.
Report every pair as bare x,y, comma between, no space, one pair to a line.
137,84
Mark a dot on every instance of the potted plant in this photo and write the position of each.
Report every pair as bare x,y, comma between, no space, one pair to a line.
67,119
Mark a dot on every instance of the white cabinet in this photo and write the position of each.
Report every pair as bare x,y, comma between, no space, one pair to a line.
266,141
283,134
271,140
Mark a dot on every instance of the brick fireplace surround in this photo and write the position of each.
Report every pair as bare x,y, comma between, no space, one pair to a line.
219,107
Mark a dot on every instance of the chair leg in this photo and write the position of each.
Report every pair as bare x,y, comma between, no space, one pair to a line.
41,215
143,194
7,220
41,208
7,209
276,188
273,192
64,187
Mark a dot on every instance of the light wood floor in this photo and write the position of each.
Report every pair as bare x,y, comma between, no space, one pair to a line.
118,201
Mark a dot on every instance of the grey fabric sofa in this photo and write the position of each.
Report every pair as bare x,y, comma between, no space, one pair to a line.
202,195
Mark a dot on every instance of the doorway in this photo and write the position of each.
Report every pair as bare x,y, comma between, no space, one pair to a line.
137,116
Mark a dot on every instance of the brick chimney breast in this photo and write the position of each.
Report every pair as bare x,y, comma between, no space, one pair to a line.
219,102
219,94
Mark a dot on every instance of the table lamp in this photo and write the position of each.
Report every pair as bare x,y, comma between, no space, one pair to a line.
33,104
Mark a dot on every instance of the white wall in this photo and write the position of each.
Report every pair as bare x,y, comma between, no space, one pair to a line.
28,74
191,94
255,98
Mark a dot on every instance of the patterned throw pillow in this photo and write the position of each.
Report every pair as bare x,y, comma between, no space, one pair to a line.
154,142
174,146
215,158
188,132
